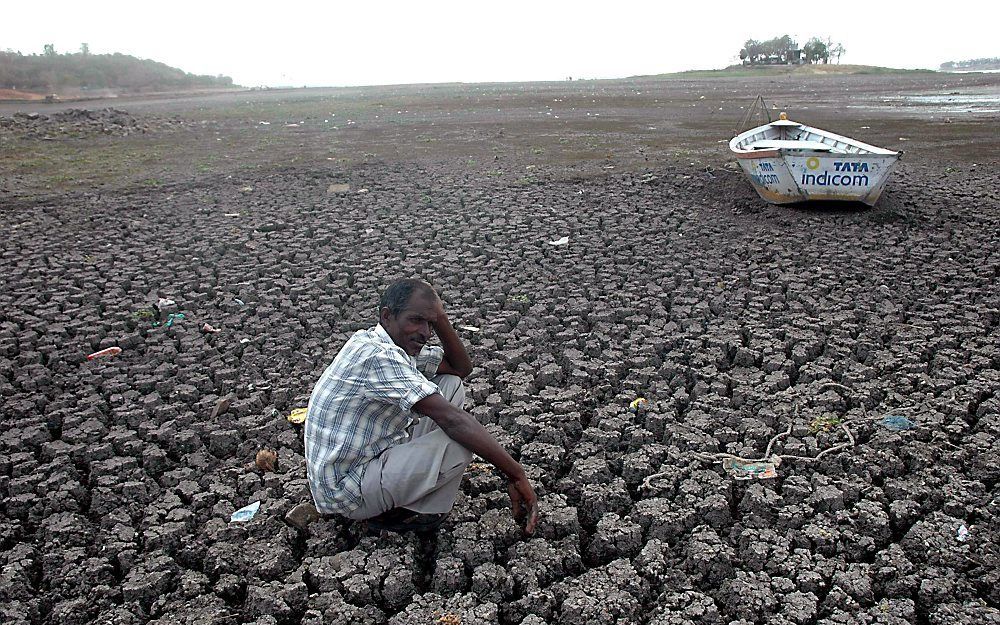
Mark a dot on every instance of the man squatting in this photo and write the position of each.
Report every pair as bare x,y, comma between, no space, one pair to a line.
387,440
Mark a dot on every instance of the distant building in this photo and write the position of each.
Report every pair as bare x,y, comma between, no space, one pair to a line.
788,57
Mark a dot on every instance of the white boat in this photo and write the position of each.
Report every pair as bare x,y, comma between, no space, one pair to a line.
791,162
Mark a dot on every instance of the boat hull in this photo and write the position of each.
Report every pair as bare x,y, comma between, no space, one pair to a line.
782,177
791,162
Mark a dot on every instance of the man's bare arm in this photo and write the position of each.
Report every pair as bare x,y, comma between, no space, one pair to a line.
463,428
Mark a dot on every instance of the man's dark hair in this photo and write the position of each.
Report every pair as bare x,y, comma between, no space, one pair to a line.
398,294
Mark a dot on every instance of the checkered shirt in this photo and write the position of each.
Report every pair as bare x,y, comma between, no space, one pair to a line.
361,406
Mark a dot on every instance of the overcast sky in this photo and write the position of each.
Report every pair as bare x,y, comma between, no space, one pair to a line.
363,43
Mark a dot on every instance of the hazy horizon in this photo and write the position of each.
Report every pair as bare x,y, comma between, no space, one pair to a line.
298,44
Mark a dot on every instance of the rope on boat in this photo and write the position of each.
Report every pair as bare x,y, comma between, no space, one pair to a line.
757,102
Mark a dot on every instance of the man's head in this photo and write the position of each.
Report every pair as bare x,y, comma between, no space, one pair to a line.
407,310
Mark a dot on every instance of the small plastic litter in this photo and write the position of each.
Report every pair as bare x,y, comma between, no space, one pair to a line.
897,423
239,301
469,328
171,318
963,533
164,302
298,416
272,226
639,403
561,241
210,329
750,470
245,513
338,188
110,351
230,214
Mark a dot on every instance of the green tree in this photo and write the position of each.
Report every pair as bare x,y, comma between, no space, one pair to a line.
777,49
84,49
783,46
49,49
816,50
751,52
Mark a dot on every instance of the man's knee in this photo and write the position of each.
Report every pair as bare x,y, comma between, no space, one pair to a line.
451,388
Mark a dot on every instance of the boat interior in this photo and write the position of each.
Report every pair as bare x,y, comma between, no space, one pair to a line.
788,135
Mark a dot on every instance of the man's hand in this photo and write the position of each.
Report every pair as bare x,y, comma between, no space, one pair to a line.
440,316
456,360
524,504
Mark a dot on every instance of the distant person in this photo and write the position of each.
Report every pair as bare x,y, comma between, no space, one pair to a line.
387,440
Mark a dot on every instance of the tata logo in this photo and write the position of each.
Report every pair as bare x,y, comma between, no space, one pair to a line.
850,166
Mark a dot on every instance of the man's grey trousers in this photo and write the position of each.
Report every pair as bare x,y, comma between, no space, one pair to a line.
422,474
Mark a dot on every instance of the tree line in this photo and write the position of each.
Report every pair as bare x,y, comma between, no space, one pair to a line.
785,50
51,72
972,64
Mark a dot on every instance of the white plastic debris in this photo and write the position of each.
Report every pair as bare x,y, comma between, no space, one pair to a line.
245,513
469,328
164,302
562,241
963,533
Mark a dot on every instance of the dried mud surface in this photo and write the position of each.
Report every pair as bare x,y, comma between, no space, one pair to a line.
81,123
737,320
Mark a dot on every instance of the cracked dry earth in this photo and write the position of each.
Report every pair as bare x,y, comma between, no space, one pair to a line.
731,317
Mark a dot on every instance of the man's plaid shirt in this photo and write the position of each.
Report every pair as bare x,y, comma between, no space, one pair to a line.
360,407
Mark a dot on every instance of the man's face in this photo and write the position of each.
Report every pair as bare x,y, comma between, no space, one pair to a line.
411,328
